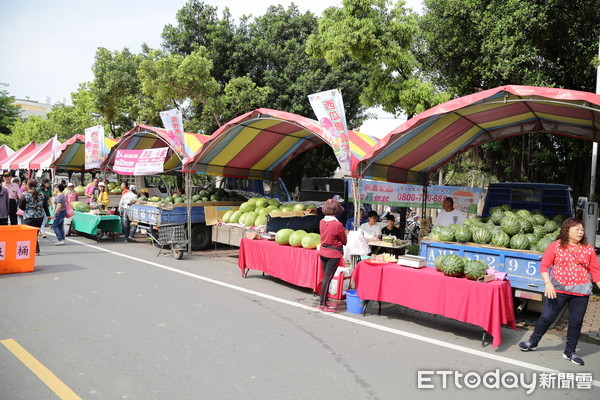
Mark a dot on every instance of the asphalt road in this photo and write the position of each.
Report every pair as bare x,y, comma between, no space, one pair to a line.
113,321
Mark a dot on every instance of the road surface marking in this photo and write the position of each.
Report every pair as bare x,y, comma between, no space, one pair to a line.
353,320
45,375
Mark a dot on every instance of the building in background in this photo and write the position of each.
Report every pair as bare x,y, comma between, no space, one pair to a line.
32,107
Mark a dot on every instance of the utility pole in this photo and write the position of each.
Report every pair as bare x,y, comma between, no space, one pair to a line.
595,144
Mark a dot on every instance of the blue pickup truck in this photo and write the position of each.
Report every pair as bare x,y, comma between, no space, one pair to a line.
522,266
150,217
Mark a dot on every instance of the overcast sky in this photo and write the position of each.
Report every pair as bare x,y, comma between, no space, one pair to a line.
48,46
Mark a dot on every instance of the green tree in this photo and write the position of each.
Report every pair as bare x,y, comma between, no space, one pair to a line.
472,45
116,89
381,37
9,113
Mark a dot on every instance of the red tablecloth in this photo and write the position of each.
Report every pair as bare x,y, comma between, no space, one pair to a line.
296,265
488,305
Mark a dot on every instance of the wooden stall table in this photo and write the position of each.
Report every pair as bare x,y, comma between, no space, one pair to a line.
96,224
488,305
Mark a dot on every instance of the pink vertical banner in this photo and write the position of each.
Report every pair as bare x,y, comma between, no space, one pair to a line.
94,147
329,109
173,123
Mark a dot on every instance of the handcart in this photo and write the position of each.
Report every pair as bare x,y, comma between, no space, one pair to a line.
174,236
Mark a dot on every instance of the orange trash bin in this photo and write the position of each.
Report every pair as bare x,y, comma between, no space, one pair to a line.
17,248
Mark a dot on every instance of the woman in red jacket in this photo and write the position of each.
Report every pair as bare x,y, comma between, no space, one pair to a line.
568,268
333,238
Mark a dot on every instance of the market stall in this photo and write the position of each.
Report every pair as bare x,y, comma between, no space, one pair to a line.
488,305
24,152
72,154
5,152
96,224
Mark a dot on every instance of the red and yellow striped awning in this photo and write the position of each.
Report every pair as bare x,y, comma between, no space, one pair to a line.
150,137
427,141
259,144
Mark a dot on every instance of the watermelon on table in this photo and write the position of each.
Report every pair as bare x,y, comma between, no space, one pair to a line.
519,242
439,261
475,269
453,265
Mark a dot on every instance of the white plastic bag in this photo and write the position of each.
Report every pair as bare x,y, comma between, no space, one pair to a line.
357,245
342,274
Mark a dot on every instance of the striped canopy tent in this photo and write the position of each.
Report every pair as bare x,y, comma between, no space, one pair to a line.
5,152
43,157
149,137
424,143
72,153
260,143
23,152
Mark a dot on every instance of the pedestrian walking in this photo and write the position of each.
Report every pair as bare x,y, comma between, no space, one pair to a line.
34,206
46,190
568,268
333,239
60,212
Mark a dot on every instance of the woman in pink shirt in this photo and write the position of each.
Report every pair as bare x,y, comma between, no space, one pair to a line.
568,268
333,238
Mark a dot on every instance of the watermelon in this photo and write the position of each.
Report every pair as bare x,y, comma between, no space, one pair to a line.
506,207
463,234
447,234
262,202
274,202
500,239
551,226
453,265
247,206
533,239
261,219
539,231
253,200
482,235
496,217
235,217
439,261
510,225
196,198
283,236
559,219
544,243
434,235
509,214
311,241
227,216
523,214
539,219
475,269
526,225
437,228
295,239
519,242
299,207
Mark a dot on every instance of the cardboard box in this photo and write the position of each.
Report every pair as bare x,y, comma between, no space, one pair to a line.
214,214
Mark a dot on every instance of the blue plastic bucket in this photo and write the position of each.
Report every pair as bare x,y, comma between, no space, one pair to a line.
353,303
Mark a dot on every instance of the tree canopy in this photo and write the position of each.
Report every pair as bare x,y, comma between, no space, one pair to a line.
8,112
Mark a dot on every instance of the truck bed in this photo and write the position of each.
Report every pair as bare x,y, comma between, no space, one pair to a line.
151,215
522,266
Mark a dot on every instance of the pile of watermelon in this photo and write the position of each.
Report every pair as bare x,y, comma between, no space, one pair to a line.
505,227
299,238
254,211
454,265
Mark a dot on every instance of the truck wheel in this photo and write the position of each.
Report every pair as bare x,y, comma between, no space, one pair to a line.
201,237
